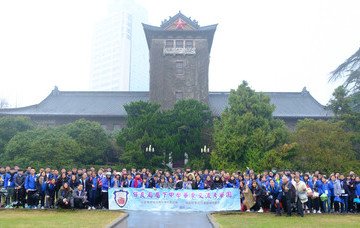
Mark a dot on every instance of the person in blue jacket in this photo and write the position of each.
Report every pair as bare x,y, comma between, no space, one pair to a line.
357,193
344,194
331,191
41,188
316,188
107,182
199,183
272,193
324,195
30,187
93,191
50,192
9,185
232,183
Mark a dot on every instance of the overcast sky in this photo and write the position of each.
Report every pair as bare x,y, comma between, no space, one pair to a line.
274,45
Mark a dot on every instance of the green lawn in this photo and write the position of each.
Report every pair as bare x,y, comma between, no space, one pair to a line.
56,218
270,220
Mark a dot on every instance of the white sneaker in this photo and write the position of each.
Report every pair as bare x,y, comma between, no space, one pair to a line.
314,211
42,208
89,208
34,207
319,212
93,208
247,210
261,210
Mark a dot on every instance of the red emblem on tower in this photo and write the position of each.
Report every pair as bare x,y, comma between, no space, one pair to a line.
180,24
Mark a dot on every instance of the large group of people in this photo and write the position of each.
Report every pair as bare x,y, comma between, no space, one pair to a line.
277,192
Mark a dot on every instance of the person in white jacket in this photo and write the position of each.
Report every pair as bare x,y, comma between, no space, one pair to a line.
301,194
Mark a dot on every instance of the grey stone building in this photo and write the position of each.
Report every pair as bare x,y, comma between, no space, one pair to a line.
179,60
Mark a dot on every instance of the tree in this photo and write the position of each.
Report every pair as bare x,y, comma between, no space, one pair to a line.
325,146
350,70
42,147
246,132
10,126
95,144
341,104
174,131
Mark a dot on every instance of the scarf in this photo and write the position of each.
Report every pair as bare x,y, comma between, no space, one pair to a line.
136,183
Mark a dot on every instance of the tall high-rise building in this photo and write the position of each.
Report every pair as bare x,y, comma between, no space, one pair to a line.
120,54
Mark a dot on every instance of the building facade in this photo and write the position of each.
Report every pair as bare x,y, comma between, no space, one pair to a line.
119,53
179,60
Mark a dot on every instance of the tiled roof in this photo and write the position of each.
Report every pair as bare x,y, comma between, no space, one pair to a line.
76,103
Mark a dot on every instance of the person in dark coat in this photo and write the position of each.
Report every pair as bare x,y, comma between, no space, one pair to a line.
258,194
217,184
287,195
20,188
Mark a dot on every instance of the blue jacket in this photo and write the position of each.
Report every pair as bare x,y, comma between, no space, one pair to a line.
324,189
200,185
9,182
331,188
309,184
248,182
232,185
50,188
274,192
42,187
30,182
357,190
107,183
94,182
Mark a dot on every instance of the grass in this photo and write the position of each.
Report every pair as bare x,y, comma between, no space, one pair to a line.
267,220
56,218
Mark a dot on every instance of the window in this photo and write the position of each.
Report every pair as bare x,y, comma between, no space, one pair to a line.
179,67
169,44
189,44
178,95
179,44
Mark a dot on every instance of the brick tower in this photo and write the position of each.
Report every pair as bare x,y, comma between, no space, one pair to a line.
179,60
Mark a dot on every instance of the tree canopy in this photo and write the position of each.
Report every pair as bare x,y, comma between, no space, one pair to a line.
325,146
10,126
82,142
174,131
246,133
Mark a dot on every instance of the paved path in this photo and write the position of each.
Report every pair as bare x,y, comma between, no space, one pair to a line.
149,219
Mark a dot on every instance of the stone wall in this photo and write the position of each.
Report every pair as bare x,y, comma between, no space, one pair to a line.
167,85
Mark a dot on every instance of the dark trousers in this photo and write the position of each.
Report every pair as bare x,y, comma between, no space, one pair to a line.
104,199
93,194
42,199
80,204
50,198
299,207
20,197
10,194
32,199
